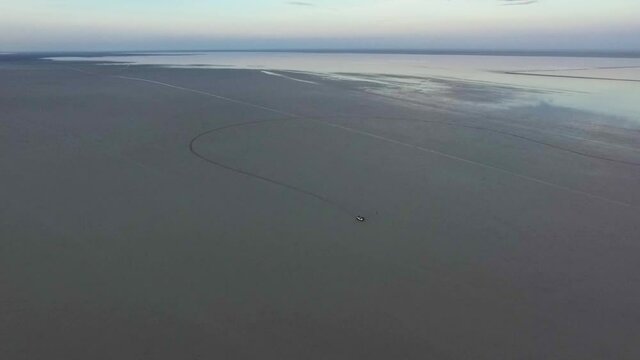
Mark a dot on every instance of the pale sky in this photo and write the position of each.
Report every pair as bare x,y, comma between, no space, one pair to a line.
251,24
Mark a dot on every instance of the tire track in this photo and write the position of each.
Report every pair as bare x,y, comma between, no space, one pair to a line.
514,135
319,197
353,130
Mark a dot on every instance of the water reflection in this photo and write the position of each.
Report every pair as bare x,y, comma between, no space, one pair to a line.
592,84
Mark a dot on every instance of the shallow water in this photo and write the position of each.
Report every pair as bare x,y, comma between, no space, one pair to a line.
142,219
602,85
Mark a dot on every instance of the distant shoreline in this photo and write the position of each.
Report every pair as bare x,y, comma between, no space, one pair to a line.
531,53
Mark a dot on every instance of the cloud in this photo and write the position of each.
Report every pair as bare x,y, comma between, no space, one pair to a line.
301,3
518,2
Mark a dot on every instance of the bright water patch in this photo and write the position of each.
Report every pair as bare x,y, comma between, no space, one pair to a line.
602,85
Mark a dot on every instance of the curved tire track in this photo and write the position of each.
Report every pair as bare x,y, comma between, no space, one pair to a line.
319,197
327,200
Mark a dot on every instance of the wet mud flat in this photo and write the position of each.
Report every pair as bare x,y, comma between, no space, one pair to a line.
154,213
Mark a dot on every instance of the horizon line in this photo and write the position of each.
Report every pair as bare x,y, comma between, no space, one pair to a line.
408,51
